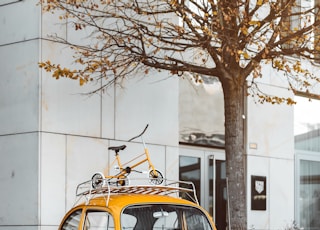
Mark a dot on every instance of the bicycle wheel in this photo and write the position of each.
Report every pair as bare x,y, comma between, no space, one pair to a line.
155,177
97,180
123,180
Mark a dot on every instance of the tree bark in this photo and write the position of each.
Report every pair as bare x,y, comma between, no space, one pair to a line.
235,153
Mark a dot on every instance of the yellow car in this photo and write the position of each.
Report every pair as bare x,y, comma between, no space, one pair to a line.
137,207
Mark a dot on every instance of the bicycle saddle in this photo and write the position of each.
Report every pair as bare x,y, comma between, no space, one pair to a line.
117,148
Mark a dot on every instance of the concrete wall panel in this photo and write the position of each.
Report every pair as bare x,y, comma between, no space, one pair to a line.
270,127
66,107
19,88
152,100
19,177
281,193
53,178
19,21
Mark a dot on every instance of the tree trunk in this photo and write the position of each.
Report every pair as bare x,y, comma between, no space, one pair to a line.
235,155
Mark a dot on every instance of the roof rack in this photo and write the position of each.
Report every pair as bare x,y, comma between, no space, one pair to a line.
182,189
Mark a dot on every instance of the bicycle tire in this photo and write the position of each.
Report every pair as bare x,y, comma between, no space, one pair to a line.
155,179
97,180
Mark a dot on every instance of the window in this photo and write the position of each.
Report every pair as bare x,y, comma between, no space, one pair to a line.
72,222
307,124
201,112
190,170
98,220
296,18
164,217
307,148
309,194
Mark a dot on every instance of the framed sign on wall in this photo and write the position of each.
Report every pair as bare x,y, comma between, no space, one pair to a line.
258,193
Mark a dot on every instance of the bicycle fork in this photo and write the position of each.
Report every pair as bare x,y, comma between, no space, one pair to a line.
151,166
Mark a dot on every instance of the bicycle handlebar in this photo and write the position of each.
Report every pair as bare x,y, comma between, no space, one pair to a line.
139,134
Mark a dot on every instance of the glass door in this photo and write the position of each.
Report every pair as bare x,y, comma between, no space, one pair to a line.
207,171
190,170
308,191
221,195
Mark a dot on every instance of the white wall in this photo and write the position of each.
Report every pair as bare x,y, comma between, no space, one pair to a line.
52,137
19,115
270,129
77,128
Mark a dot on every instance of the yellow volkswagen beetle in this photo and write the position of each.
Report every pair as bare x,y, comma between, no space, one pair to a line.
137,207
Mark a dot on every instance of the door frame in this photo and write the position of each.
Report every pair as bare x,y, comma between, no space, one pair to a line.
205,156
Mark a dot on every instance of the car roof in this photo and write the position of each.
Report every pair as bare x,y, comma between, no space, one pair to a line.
125,199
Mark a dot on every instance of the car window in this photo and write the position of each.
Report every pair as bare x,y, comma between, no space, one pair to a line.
164,217
98,220
128,222
73,220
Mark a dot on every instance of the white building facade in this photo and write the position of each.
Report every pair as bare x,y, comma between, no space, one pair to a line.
53,136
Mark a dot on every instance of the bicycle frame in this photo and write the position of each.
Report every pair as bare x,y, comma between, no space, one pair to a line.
125,171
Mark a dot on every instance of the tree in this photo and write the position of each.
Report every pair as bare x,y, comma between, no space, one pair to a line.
226,39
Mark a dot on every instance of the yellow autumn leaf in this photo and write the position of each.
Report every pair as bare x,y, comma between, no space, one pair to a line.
82,81
244,30
252,23
246,55
259,2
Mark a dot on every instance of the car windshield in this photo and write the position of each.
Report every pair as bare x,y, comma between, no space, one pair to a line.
164,216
